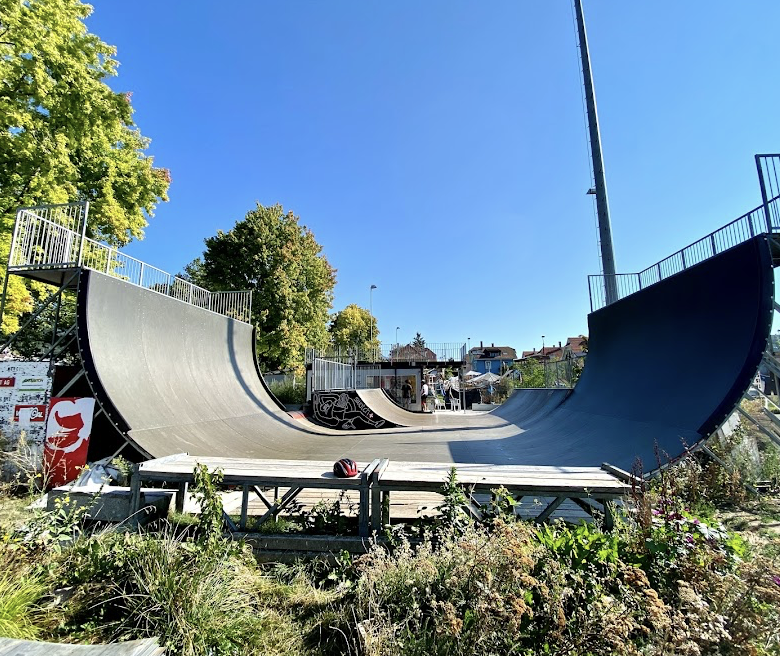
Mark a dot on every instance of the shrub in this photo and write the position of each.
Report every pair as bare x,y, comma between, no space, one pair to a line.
289,393
494,590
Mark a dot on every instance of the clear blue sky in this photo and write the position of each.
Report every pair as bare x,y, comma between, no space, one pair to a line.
437,149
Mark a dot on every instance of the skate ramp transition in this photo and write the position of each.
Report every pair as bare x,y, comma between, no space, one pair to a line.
373,408
666,366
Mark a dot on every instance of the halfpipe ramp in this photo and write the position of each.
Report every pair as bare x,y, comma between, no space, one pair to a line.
666,366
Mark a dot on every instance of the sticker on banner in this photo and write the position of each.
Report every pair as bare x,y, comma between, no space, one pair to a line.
27,413
69,425
33,384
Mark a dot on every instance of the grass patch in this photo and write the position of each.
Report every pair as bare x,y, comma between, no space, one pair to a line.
20,592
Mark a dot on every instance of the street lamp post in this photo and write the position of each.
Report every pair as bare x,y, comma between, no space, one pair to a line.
544,363
371,320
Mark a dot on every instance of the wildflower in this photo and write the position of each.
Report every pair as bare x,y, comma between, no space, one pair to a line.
776,580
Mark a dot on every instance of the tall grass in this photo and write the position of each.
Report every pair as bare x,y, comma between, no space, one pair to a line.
196,600
20,592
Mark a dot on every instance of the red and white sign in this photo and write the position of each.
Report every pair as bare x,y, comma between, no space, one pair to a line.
8,381
28,413
67,438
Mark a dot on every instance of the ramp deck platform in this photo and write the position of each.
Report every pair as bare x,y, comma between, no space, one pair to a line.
381,477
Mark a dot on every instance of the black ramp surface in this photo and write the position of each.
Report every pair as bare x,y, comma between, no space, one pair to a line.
665,367
522,408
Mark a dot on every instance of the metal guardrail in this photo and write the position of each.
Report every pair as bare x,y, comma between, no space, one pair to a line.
434,352
328,375
763,219
54,237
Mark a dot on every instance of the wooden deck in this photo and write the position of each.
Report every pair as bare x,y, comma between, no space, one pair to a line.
147,647
387,491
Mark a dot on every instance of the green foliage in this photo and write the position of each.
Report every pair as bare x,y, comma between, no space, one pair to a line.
197,600
531,373
54,530
351,329
206,491
328,516
292,282
581,546
502,506
418,341
289,392
65,135
125,468
451,513
20,592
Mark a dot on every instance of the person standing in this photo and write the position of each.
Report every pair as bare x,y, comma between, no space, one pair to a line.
424,396
406,394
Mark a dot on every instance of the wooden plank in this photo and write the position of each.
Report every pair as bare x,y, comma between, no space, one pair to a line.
623,475
145,647
523,490
375,510
510,477
394,473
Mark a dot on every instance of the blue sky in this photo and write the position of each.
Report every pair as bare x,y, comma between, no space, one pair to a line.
438,149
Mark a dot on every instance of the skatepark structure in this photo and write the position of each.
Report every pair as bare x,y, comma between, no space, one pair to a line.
175,378
175,372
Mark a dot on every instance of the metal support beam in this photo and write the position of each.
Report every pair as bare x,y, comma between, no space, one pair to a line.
38,312
775,439
727,467
71,383
549,510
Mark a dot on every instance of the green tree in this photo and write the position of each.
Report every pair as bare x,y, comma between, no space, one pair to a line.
531,373
65,135
292,282
352,328
418,341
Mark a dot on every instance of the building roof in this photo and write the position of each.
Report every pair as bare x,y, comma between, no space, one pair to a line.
492,352
574,345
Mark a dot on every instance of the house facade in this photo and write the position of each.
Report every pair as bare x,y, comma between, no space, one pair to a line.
493,359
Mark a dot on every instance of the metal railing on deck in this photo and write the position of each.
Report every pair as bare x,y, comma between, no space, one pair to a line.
434,352
328,375
54,237
758,221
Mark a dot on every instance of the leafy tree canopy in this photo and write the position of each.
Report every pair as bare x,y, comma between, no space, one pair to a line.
292,282
64,134
352,328
418,341
531,373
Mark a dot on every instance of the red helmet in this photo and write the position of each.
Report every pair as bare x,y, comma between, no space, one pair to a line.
345,468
